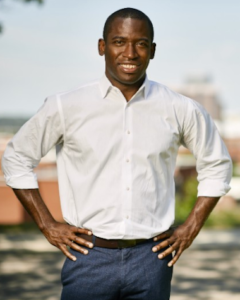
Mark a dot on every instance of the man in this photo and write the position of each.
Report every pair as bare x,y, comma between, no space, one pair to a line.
117,141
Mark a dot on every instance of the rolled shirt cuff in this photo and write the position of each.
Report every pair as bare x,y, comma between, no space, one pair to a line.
26,181
212,188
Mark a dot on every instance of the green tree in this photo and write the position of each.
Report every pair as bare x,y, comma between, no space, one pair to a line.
186,200
3,4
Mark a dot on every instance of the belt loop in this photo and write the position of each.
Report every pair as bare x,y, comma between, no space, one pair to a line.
93,239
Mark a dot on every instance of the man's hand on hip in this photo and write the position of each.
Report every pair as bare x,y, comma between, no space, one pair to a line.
180,238
58,234
63,235
176,240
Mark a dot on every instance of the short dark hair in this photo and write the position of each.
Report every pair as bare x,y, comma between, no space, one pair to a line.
127,13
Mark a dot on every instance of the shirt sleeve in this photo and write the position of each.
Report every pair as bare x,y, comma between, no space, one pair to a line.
213,162
33,141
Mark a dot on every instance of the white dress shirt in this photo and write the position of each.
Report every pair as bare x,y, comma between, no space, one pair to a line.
116,159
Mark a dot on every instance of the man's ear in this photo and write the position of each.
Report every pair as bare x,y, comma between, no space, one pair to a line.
101,47
153,49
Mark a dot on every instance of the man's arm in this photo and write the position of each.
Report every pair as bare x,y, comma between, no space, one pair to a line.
23,153
180,238
214,168
58,234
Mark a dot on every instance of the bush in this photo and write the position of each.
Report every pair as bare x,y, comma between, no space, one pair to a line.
185,200
217,219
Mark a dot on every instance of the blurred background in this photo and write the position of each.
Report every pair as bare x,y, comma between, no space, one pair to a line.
48,46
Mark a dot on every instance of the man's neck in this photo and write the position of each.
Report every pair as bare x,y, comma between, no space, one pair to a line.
128,90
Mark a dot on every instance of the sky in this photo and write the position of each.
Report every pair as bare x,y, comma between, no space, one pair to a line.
50,48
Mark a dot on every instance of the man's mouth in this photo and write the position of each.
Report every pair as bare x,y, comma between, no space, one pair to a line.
128,67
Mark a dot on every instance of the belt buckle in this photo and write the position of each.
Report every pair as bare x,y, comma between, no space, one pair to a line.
126,243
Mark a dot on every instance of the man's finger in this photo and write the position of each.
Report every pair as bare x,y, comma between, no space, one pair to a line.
77,248
163,235
167,252
81,241
175,258
160,246
83,231
65,251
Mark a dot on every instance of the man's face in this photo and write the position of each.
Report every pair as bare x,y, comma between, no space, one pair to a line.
127,49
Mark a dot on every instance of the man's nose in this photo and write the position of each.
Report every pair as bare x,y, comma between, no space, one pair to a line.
130,51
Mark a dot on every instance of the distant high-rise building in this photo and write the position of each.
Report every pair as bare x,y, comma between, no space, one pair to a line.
202,89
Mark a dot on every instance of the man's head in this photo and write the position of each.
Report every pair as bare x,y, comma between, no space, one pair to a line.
128,46
124,14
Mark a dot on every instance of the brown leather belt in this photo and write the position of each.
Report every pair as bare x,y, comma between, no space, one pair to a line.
112,244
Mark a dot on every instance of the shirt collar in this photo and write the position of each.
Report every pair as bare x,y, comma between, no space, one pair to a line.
106,86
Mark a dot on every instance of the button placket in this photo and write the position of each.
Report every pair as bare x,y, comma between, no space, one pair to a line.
127,172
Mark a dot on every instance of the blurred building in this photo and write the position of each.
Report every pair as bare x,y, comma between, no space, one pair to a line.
202,89
231,133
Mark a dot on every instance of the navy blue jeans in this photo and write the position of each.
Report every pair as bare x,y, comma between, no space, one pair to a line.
133,273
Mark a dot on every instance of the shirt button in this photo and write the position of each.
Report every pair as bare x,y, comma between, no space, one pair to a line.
127,217
128,132
127,160
128,188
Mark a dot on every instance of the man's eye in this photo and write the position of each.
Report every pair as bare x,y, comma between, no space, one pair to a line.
142,44
118,42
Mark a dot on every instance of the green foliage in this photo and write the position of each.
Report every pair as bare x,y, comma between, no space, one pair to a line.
185,201
236,169
24,227
224,219
40,2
